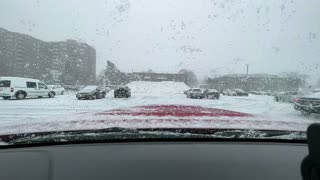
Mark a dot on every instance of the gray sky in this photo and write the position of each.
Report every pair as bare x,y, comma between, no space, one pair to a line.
207,36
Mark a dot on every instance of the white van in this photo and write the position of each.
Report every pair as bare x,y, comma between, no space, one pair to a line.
21,88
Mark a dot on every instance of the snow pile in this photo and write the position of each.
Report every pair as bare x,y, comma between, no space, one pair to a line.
164,87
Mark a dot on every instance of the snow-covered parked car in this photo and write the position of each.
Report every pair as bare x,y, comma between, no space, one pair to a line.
57,89
195,93
241,92
122,92
254,92
211,94
229,92
308,104
91,92
286,96
21,88
263,93
259,93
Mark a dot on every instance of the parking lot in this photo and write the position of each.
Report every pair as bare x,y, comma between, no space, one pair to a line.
65,106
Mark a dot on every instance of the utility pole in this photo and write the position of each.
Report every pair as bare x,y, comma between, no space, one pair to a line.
246,83
247,65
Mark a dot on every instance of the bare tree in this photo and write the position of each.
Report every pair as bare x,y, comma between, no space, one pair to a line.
295,79
101,78
191,79
111,75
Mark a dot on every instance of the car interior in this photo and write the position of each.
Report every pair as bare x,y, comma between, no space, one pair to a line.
159,90
125,159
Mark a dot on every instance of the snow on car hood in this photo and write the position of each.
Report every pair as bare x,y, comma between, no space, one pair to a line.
88,89
157,116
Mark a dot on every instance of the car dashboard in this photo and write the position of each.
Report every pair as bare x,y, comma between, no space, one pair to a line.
155,160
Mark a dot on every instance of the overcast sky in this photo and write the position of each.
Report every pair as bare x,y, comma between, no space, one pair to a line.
207,36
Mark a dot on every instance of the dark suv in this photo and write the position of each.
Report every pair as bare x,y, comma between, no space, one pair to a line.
241,92
211,94
195,93
122,92
92,92
307,105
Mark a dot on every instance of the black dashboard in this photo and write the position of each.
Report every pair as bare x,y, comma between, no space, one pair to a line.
155,160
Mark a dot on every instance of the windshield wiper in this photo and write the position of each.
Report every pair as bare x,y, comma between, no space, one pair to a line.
117,133
262,134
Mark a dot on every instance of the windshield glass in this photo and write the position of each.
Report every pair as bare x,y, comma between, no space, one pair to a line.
211,64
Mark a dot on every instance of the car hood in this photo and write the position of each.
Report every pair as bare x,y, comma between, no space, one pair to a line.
156,116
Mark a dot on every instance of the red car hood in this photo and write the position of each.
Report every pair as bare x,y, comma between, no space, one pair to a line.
157,116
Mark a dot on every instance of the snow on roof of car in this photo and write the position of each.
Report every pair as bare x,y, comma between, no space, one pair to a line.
239,90
90,87
17,78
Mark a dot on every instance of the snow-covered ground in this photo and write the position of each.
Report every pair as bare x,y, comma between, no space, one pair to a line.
167,93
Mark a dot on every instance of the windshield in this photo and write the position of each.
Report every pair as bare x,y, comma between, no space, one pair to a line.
253,64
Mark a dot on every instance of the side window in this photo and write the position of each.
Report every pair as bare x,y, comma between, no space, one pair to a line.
42,86
5,83
31,85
